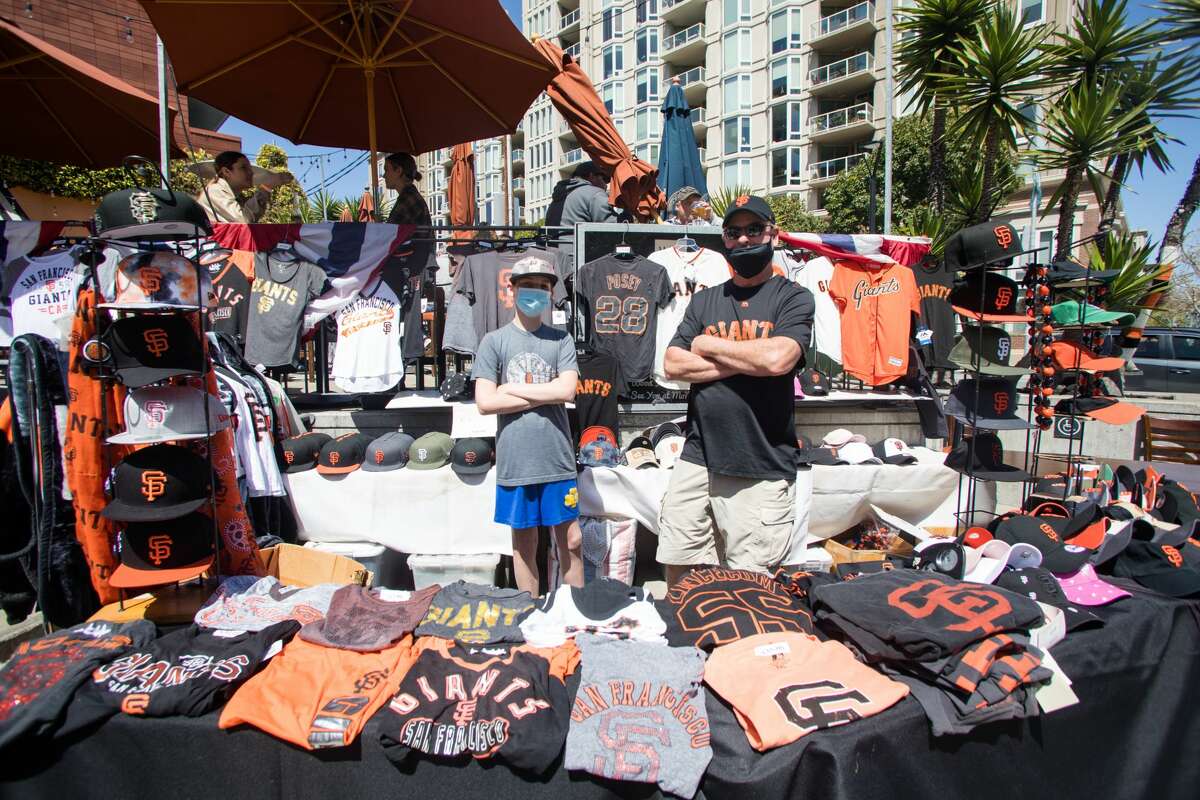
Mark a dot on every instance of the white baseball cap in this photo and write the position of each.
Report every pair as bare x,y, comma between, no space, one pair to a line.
855,452
985,563
668,449
841,436
170,413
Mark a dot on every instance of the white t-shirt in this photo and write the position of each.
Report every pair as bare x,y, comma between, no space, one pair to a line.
254,440
41,293
619,612
367,357
687,273
815,275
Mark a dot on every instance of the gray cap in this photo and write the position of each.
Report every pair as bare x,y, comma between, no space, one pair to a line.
430,451
170,413
681,194
533,265
388,452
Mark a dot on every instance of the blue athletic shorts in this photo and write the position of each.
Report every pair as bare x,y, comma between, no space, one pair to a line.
537,504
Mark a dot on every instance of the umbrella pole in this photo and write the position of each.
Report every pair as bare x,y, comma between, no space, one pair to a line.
370,76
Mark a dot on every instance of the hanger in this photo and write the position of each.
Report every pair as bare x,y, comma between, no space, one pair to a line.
685,243
283,251
623,250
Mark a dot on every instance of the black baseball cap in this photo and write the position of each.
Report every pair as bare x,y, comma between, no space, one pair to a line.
987,463
1048,534
641,442
986,403
472,456
986,349
988,244
150,214
809,455
813,382
1159,567
343,454
1102,409
894,451
147,348
1062,273
751,203
300,453
388,452
987,297
157,483
663,431
1041,585
155,553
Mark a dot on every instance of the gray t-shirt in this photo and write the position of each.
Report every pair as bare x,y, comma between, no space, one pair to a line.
652,694
484,281
476,614
278,296
532,446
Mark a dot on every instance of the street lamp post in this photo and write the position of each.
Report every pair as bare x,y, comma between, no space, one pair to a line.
872,186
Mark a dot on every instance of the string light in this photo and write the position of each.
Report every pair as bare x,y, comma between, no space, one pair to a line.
29,10
128,36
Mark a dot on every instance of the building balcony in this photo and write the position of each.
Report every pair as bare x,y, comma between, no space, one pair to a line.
847,75
569,159
564,131
699,119
518,134
569,22
842,125
694,83
518,155
844,29
574,50
518,186
681,12
685,47
823,172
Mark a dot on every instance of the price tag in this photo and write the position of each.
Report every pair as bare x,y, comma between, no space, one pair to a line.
768,650
924,337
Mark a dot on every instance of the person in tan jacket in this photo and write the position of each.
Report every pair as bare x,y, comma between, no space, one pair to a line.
221,197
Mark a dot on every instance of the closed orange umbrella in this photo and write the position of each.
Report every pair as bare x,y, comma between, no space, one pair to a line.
347,215
366,207
462,188
634,185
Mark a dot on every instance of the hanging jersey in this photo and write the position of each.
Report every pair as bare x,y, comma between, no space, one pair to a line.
687,273
367,355
229,306
605,606
40,293
936,314
875,304
485,283
620,299
816,275
508,702
318,697
253,437
601,381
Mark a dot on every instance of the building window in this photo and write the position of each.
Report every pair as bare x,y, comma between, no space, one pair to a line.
613,95
735,50
647,85
785,76
735,173
613,58
647,153
647,44
736,11
610,25
1032,11
787,122
735,93
786,30
647,11
736,135
785,167
649,124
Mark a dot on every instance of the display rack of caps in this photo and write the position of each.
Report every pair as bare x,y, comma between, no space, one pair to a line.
334,456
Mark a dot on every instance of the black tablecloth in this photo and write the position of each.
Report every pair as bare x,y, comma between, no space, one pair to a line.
1133,735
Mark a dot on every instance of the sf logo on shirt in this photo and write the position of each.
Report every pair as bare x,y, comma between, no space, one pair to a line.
954,607
821,704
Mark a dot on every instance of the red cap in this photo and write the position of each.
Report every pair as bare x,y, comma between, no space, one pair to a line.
977,537
1072,355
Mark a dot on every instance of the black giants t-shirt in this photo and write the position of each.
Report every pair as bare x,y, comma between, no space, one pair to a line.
708,608
621,298
600,382
934,287
744,425
231,289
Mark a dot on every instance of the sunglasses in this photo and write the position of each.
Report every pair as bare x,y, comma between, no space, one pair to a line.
749,231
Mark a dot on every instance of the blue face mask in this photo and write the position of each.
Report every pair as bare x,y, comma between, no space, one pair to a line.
532,302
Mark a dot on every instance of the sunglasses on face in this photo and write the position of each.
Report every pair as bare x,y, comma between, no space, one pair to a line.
749,231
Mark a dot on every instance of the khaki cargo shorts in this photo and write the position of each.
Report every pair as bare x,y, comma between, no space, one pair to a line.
741,523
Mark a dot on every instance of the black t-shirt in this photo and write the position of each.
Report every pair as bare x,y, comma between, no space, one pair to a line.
936,314
231,311
708,608
621,298
744,425
601,381
186,673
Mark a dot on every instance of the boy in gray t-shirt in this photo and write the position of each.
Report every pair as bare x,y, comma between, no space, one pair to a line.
526,372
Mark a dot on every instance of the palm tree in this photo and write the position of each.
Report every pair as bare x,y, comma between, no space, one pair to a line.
1085,126
1101,43
994,75
931,32
1182,18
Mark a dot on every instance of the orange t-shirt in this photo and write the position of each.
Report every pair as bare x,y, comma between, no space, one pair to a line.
786,685
875,303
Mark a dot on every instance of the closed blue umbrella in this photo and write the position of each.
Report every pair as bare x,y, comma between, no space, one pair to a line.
679,157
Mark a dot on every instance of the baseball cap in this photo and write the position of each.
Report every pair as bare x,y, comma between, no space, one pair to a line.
1187,511
600,453
1085,588
1150,526
532,266
1160,567
156,483
160,281
668,449
150,213
430,451
388,452
1072,355
1103,409
473,456
664,430
989,403
840,437
1046,534
170,413
813,382
640,457
681,194
987,297
751,203
809,455
1072,312
987,244
343,454
1068,272
986,562
1041,585
893,451
148,348
1116,538
300,453
946,556
1051,485
977,537
154,553
985,349
594,433
857,453
985,461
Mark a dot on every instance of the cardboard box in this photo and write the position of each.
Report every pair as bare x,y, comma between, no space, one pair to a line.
305,566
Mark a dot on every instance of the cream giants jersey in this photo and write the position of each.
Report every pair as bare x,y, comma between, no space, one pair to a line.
367,356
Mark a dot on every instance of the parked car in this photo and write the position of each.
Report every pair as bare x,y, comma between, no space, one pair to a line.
1167,360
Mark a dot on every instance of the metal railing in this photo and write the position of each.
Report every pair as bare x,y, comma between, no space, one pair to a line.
574,50
693,75
832,120
518,184
843,19
572,157
684,36
666,4
518,154
569,20
833,167
696,115
863,62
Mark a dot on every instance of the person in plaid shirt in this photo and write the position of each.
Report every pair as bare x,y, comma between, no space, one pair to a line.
400,174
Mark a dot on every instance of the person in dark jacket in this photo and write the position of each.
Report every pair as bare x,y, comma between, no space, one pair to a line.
581,198
400,174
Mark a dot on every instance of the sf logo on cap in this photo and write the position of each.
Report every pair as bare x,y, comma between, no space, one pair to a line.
1050,532
471,456
378,456
1003,347
1173,555
1003,297
742,200
1000,402
150,278
289,456
154,481
156,413
1003,236
157,341
334,458
160,547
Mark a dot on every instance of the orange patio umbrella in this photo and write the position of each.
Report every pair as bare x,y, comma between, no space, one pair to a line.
634,185
461,191
366,207
346,215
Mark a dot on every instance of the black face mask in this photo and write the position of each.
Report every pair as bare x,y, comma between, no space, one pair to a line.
749,261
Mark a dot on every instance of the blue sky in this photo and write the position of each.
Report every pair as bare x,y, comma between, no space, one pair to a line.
1149,199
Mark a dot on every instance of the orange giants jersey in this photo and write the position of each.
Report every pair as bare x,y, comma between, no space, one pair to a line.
875,304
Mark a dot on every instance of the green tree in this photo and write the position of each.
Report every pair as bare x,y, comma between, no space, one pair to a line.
288,202
791,214
81,183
